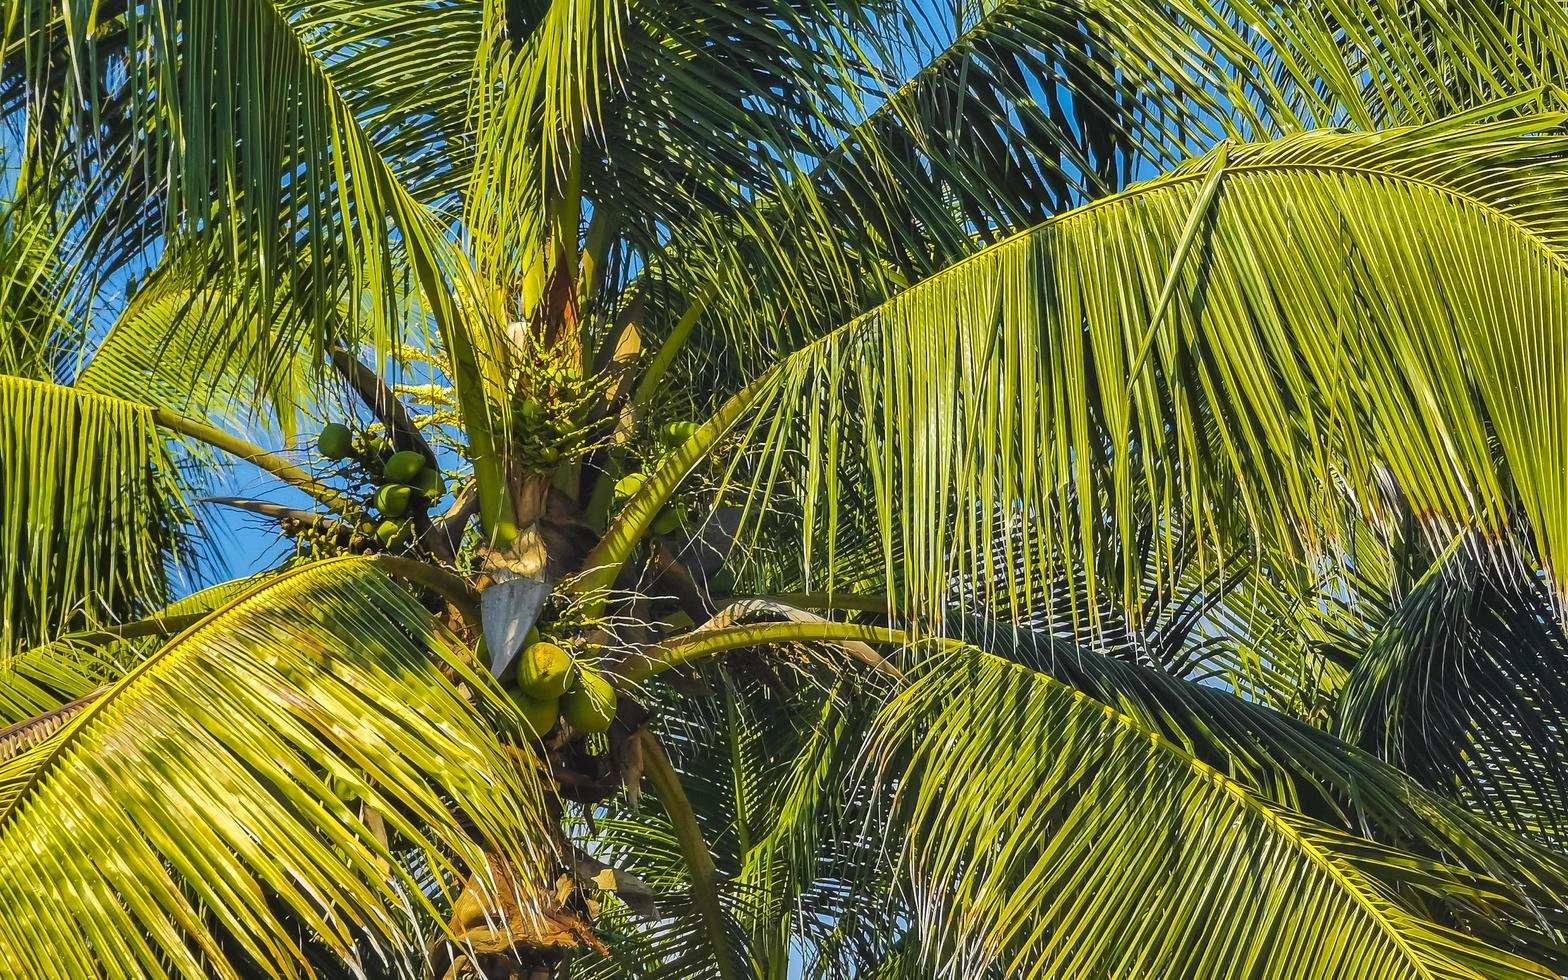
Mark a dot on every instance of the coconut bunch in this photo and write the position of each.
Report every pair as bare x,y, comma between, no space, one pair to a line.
401,484
551,686
554,410
670,437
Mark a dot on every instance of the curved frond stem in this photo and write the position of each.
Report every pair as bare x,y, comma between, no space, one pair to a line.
156,626
699,860
837,601
277,512
702,643
449,585
382,403
615,547
273,463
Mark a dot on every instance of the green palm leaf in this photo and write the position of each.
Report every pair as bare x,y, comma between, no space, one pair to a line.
1037,106
1049,834
184,344
1347,323
89,510
328,673
46,677
301,189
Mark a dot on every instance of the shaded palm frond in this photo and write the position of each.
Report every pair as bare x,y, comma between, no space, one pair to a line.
276,150
656,113
38,337
1463,688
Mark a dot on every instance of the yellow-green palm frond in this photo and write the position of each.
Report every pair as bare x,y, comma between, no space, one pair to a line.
37,335
90,509
1036,106
200,348
192,804
1048,834
1272,349
48,676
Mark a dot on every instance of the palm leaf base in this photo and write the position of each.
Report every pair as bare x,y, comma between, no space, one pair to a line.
507,935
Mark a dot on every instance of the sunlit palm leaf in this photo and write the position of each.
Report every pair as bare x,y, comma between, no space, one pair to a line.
1041,105
89,508
173,346
1350,321
199,783
1052,835
46,677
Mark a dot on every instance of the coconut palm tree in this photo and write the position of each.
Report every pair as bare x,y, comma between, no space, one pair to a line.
827,488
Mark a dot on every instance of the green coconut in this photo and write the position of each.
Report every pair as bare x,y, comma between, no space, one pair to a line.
336,441
538,714
676,433
394,534
393,499
430,485
345,787
377,447
545,670
630,484
403,467
589,707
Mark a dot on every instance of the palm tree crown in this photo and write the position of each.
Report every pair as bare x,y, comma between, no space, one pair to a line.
827,488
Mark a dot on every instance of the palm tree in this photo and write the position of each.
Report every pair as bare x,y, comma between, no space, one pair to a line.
829,488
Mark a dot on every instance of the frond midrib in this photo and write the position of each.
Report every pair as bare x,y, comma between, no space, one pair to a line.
1261,809
63,739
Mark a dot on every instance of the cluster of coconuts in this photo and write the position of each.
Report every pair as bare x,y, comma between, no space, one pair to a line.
672,435
548,684
404,482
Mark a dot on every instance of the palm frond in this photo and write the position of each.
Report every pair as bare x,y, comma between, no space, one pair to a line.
1037,106
89,512
620,102
37,333
1050,834
1360,317
276,150
49,676
183,343
1463,689
327,674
